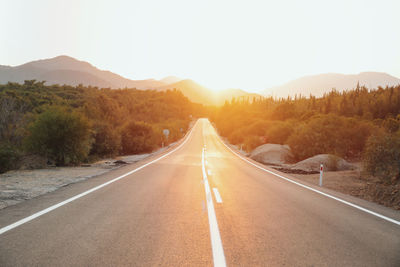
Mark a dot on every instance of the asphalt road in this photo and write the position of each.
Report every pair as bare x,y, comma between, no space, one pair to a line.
168,213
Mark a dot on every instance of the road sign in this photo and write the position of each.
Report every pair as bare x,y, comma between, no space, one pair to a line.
166,132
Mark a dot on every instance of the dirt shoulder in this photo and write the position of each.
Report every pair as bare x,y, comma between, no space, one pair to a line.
349,182
353,183
19,185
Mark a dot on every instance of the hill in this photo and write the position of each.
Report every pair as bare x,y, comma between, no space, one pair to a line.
317,85
68,70
194,91
228,94
170,79
200,94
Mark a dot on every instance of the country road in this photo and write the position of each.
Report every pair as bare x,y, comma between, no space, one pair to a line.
198,204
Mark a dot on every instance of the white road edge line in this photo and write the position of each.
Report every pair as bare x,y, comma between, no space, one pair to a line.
313,189
217,195
216,243
42,212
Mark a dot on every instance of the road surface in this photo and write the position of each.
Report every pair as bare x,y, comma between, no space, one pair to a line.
199,204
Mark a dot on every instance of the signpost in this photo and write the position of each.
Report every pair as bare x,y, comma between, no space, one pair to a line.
166,133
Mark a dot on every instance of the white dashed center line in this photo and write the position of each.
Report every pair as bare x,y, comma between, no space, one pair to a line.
216,243
217,195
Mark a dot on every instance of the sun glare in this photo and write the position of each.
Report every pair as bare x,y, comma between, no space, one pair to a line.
222,44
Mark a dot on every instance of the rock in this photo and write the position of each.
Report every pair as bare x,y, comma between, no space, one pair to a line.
86,165
120,162
272,154
330,162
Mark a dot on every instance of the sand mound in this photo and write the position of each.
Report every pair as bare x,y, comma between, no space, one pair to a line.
271,154
330,162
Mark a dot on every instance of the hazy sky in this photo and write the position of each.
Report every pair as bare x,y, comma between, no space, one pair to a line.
221,44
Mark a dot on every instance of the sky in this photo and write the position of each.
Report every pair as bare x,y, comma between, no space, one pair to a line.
221,44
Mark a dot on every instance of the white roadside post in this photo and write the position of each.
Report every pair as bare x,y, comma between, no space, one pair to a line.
321,170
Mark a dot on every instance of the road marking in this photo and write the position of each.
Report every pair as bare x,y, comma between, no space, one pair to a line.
51,208
217,195
313,189
216,243
209,172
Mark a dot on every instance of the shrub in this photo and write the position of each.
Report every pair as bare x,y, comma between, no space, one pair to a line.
60,135
258,127
391,125
352,137
310,139
279,132
236,137
107,141
381,157
137,137
8,157
252,142
330,134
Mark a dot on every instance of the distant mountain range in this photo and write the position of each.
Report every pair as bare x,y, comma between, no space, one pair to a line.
200,94
317,85
67,70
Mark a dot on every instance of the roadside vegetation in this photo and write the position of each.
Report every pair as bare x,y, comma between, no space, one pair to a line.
358,125
67,125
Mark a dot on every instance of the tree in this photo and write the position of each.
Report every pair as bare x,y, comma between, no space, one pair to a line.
8,157
60,135
107,141
137,137
279,132
382,156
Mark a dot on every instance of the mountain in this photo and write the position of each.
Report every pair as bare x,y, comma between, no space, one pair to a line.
68,70
170,79
317,85
228,94
200,94
192,90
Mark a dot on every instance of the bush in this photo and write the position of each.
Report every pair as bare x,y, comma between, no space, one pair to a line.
252,142
352,137
258,127
312,138
330,134
279,132
381,157
8,157
391,125
236,137
107,141
60,135
137,137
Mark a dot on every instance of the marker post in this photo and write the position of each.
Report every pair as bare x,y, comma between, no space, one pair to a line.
321,171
